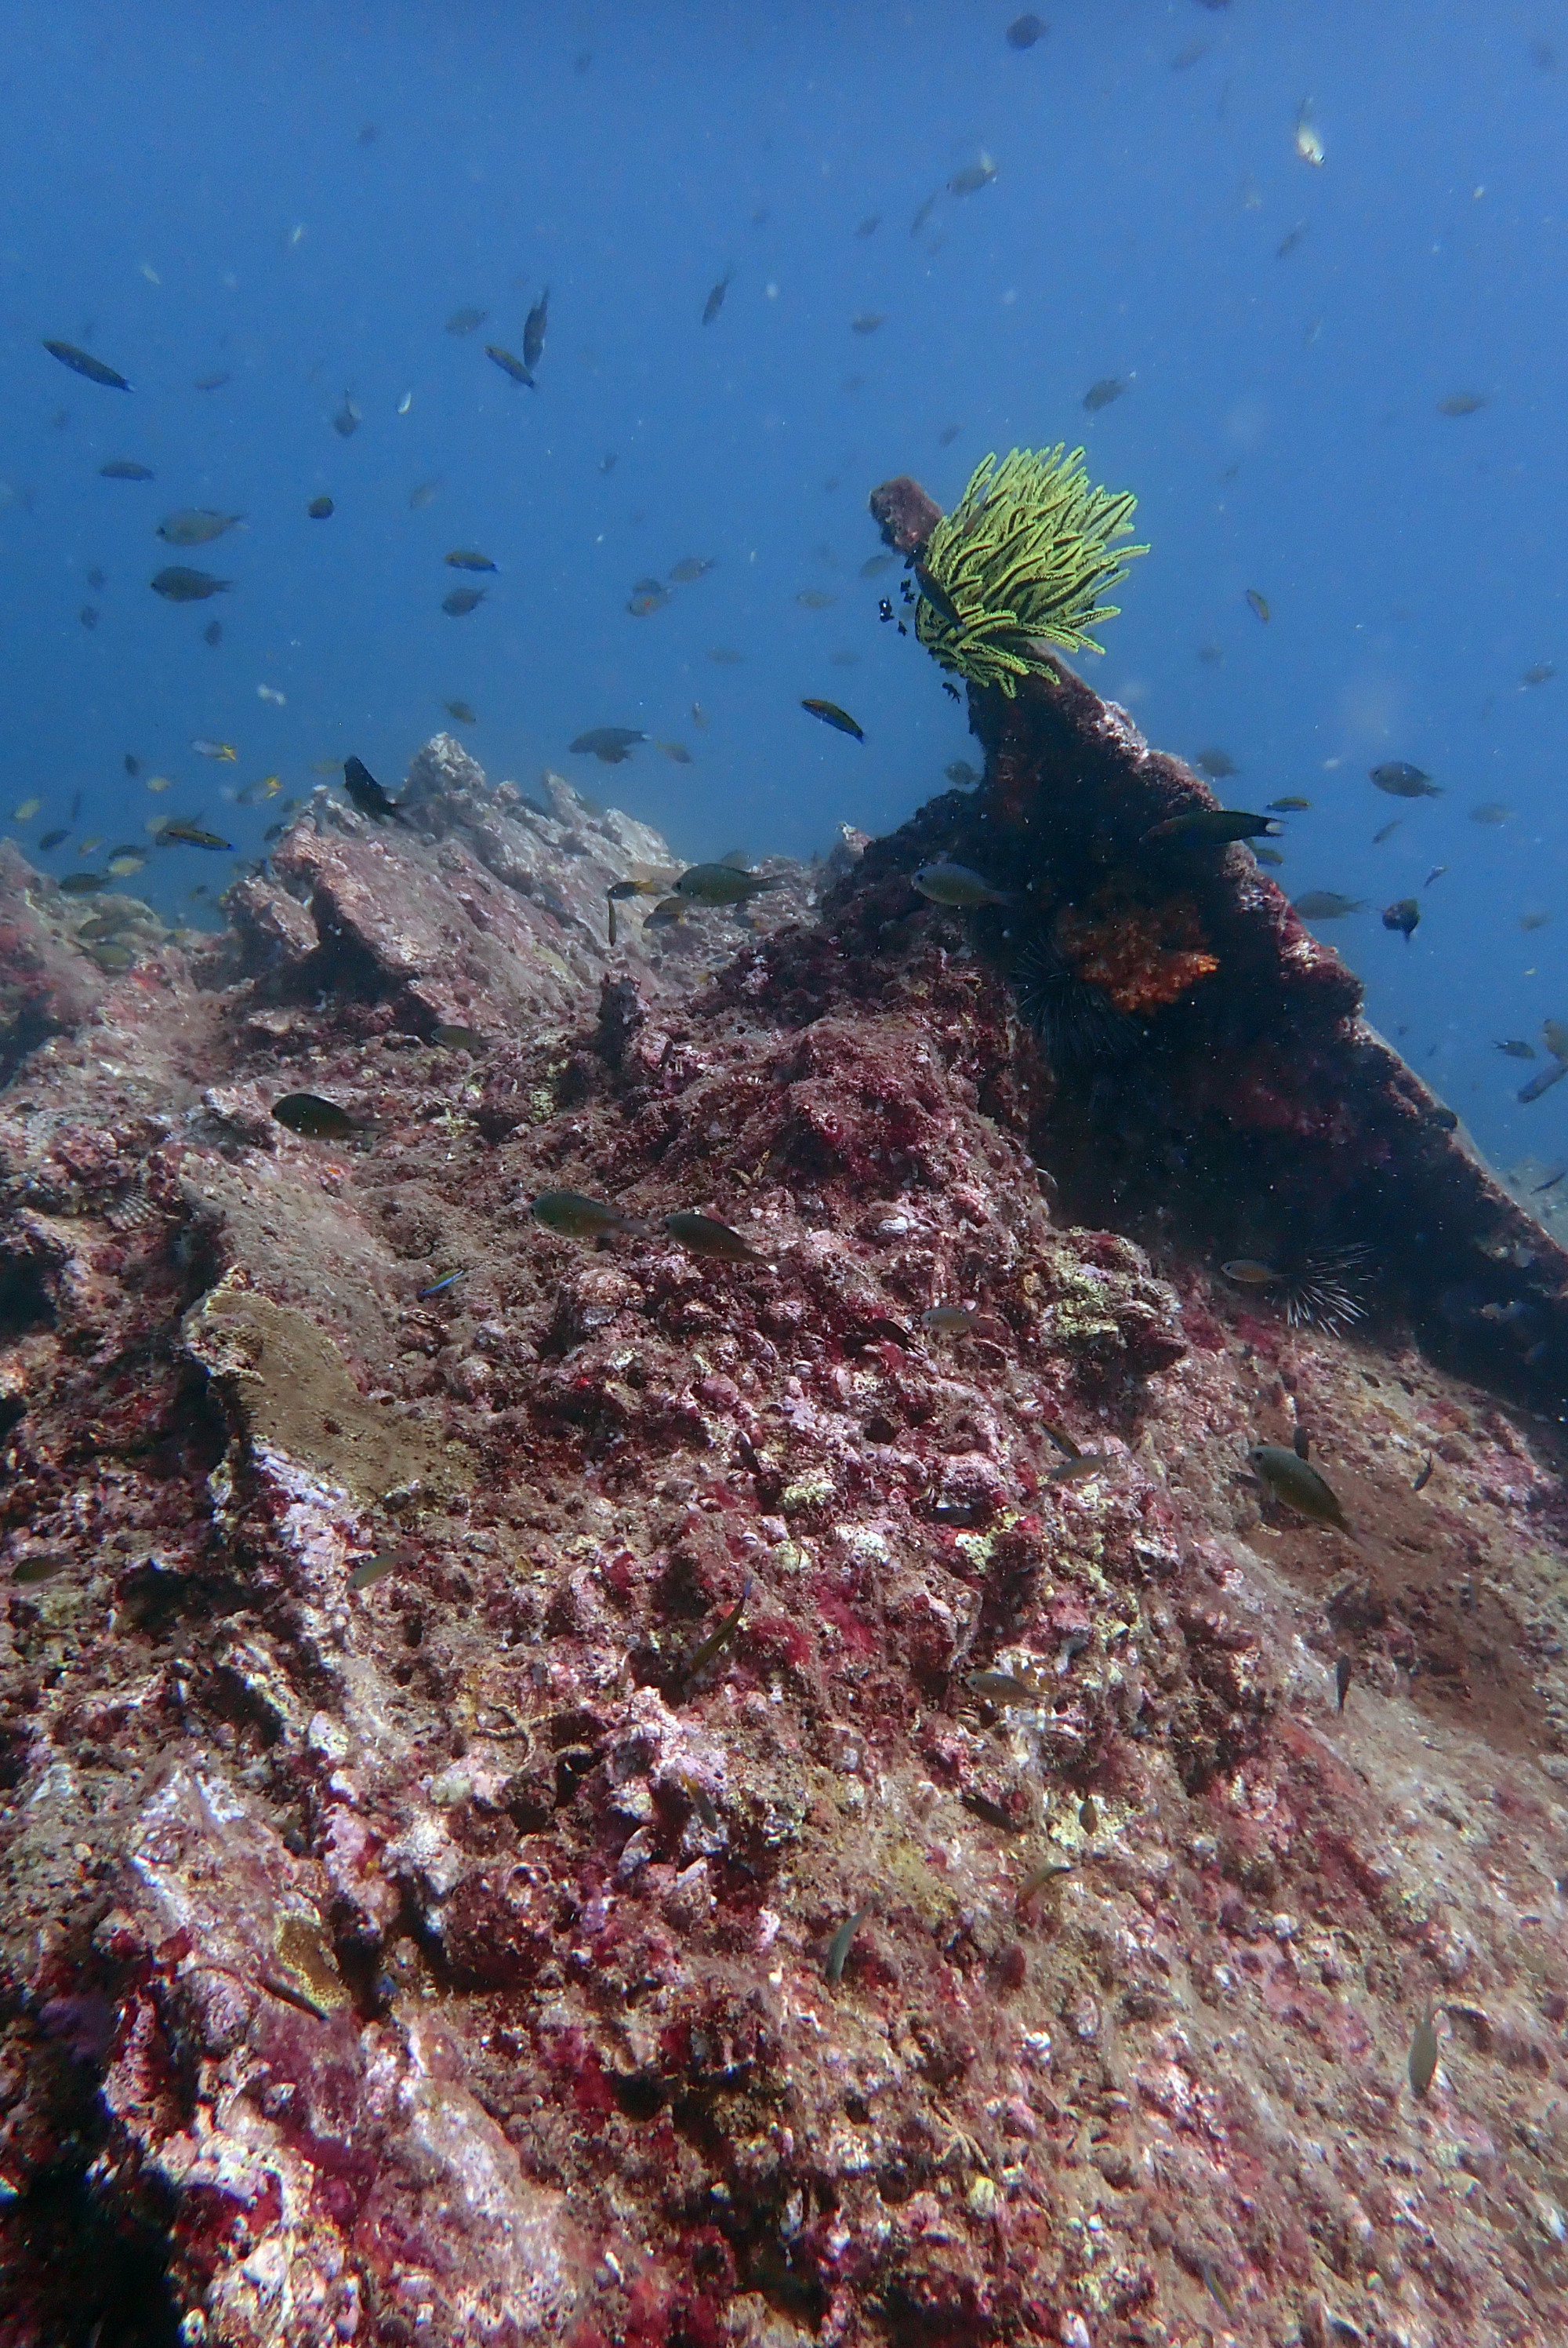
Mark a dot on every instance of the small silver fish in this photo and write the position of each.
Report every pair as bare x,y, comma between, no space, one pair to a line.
1004,1687
576,1217
949,1320
1328,905
1423,2062
957,885
839,1946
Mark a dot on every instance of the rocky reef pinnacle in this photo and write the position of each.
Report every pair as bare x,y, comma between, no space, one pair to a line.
583,1792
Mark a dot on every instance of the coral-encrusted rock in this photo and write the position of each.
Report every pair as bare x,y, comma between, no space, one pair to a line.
496,918
275,931
583,1793
327,2175
290,1389
1255,1100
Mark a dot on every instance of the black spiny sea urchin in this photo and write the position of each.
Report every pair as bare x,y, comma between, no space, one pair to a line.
1078,1024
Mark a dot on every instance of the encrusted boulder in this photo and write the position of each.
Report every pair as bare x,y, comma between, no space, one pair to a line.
579,1791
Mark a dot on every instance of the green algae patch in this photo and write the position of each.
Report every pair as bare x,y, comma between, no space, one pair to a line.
301,1948
809,1492
290,1388
909,1880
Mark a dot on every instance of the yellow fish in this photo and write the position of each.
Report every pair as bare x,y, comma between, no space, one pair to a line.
159,782
224,751
26,811
85,847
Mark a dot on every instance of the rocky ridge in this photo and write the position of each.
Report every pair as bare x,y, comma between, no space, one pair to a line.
1005,1933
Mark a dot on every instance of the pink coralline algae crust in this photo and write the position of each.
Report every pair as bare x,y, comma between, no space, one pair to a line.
459,1954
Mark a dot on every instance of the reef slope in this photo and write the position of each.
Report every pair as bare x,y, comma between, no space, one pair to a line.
458,1954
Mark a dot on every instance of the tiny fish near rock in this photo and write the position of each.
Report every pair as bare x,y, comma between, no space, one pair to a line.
719,1638
1328,905
318,1120
722,884
183,833
577,1217
949,1321
840,1945
1212,827
1424,2062
1296,1484
957,885
367,795
703,1235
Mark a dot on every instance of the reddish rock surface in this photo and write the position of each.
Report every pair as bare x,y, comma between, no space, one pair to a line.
443,1957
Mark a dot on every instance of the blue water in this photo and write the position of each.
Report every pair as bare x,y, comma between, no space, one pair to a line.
299,197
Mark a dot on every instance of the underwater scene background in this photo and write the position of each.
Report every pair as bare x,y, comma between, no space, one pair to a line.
783,1545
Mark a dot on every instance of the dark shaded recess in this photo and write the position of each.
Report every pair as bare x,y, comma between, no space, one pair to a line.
77,2276
342,966
151,1597
77,2270
338,965
31,1026
24,1303
15,1742
1259,1113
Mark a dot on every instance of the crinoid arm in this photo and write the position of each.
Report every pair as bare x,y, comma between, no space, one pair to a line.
1024,559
